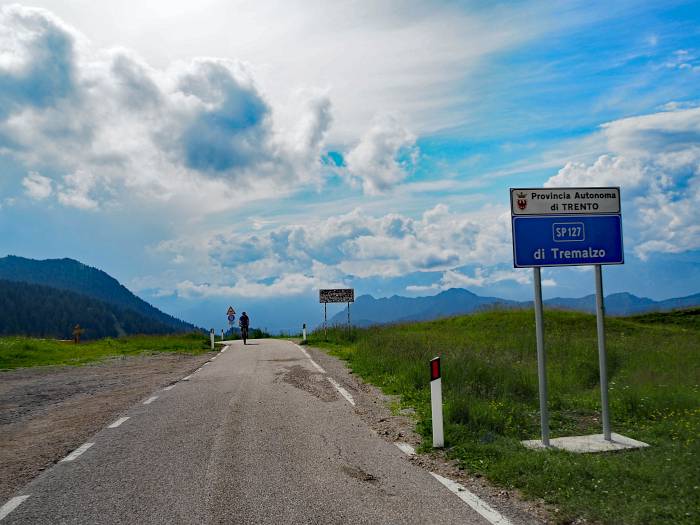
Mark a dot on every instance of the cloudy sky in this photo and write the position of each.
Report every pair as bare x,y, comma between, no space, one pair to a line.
249,152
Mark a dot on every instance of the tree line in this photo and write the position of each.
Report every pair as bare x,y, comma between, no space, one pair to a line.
41,311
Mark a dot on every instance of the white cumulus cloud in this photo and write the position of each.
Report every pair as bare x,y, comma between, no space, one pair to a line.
383,157
176,135
655,159
36,186
335,250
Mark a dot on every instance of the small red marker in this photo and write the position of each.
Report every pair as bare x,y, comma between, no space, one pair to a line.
435,368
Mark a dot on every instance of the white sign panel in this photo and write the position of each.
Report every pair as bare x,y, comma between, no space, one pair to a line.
337,295
564,201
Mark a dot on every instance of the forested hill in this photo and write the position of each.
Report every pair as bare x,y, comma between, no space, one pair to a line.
67,274
42,311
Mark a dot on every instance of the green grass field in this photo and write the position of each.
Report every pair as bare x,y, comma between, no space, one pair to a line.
16,352
490,395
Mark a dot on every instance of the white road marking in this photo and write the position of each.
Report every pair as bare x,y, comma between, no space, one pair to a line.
213,358
77,452
187,378
309,358
150,400
205,364
118,422
406,448
474,501
169,387
12,505
342,391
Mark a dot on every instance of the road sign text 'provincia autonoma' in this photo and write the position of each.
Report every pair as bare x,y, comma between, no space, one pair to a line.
566,226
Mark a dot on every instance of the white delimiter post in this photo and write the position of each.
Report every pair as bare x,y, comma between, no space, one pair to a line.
436,403
211,337
222,334
304,332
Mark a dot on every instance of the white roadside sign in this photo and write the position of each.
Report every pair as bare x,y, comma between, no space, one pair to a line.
564,201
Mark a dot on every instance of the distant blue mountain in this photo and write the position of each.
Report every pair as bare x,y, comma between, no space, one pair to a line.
367,310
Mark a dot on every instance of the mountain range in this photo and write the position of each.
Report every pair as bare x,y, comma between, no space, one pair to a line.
366,310
34,294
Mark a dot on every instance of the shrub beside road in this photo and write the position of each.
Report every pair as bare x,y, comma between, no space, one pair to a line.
490,395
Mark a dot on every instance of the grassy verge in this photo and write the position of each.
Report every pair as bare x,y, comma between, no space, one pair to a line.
16,352
490,393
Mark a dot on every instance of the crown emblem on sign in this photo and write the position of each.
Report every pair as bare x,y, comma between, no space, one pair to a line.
522,200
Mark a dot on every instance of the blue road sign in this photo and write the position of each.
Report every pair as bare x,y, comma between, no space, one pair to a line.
231,318
567,240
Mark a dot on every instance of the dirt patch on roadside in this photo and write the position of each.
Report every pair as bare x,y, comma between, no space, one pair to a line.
311,382
46,412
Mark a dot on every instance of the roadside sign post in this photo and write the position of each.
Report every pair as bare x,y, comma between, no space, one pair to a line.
567,227
602,359
541,356
335,295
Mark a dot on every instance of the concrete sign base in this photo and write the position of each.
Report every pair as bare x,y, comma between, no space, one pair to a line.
585,444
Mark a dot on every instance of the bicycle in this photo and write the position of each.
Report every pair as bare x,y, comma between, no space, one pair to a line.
244,334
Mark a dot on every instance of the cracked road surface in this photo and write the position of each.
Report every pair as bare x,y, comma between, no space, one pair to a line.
258,435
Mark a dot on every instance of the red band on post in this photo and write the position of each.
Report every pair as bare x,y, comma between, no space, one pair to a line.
435,369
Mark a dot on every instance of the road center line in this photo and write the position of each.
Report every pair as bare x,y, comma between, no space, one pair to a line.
406,449
150,400
118,422
474,501
309,358
77,452
12,505
342,391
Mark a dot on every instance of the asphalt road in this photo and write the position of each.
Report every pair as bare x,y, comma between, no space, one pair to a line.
259,435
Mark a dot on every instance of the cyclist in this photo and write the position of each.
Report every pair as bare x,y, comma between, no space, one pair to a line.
243,322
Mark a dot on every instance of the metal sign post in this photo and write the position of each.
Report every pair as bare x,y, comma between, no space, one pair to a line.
567,227
602,361
335,295
541,356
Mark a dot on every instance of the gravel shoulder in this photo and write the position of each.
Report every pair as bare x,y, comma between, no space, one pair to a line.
46,412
